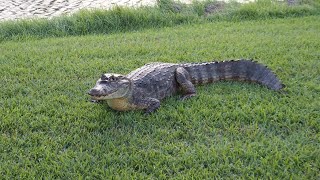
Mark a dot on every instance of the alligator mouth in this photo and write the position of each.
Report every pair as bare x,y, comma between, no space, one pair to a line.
98,95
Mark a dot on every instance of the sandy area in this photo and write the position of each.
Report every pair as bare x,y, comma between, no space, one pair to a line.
18,9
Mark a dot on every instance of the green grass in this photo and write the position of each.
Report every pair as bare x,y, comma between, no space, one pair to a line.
49,129
165,14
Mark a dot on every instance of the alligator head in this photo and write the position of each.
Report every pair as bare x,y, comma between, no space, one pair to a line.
110,86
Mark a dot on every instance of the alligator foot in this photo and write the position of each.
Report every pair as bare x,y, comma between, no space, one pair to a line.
187,96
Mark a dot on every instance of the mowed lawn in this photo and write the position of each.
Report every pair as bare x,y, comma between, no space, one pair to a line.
50,129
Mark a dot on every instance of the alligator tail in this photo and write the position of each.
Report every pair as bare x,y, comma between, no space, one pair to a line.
238,70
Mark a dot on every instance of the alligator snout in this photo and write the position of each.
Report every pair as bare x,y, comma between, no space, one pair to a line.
93,92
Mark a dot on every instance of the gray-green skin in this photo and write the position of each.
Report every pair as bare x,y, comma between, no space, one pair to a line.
144,87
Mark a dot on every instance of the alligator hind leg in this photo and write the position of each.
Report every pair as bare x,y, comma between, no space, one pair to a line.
183,79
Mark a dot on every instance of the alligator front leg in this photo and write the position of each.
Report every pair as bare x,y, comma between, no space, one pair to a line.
149,104
183,79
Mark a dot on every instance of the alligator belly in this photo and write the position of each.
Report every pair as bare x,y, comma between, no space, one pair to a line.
120,104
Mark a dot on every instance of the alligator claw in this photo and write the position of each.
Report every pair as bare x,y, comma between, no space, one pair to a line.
188,96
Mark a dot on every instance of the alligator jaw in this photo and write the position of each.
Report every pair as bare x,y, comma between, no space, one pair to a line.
96,95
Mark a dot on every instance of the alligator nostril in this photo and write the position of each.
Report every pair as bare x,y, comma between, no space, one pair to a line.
93,92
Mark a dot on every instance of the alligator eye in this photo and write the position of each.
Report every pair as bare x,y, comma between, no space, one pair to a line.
104,77
112,78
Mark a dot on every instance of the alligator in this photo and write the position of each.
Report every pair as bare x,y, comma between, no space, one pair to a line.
144,87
